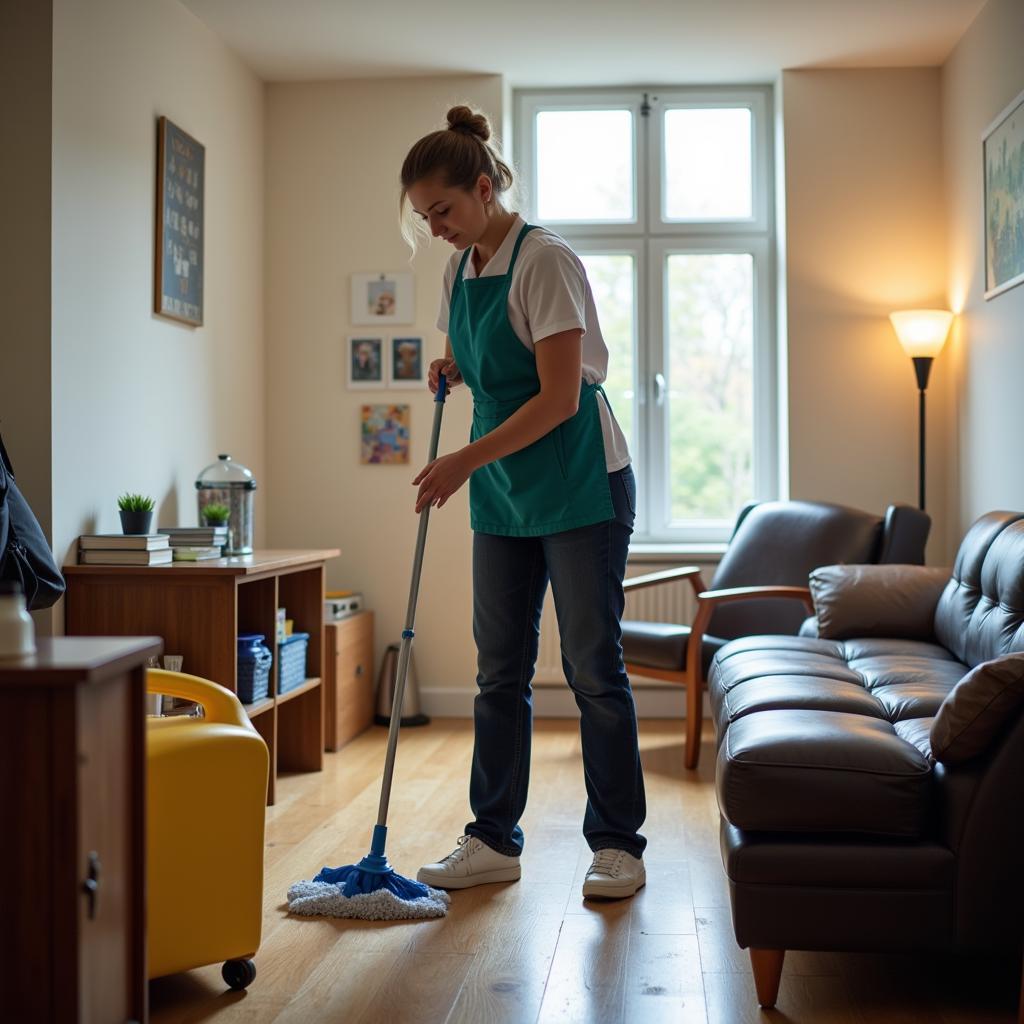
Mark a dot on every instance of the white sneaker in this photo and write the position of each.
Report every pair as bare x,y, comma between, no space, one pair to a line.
472,862
614,874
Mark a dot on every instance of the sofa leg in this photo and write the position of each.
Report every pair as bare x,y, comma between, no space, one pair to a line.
767,965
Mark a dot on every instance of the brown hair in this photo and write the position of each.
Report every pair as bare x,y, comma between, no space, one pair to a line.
459,153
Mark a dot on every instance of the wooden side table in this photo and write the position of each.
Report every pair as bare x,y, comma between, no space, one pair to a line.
73,861
200,608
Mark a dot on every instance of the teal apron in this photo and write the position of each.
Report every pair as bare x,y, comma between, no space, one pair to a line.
559,482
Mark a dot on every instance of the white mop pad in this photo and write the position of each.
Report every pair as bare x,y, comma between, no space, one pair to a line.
326,899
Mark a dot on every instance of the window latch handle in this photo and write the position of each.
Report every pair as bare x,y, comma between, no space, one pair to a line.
659,389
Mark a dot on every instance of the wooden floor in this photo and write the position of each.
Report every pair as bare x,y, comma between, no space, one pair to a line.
533,950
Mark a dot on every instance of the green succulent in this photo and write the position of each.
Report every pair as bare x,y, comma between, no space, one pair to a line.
215,514
135,503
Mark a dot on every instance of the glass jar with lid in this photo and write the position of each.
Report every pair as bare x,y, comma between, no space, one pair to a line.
229,483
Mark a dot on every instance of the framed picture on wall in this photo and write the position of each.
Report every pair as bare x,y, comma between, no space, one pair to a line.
406,366
180,209
384,434
365,359
1003,158
382,298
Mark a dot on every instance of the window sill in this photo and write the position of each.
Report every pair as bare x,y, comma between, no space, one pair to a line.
701,551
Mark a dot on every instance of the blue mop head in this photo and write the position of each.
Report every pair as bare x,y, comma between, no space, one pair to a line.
371,890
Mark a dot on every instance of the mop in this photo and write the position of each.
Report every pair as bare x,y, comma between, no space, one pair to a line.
372,890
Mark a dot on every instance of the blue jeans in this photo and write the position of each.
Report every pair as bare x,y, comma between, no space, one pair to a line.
510,577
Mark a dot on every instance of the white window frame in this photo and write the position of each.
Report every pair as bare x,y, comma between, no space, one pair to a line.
650,238
705,99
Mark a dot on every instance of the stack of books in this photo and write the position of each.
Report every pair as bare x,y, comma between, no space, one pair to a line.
195,543
123,549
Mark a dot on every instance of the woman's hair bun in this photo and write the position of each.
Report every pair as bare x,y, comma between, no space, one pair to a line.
462,119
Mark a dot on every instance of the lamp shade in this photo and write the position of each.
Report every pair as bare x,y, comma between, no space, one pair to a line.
922,332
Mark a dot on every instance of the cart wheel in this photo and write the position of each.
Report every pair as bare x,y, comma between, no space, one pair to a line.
238,974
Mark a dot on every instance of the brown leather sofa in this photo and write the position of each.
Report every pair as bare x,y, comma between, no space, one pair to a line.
847,822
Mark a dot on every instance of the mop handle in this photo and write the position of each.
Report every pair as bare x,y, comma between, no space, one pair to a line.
405,652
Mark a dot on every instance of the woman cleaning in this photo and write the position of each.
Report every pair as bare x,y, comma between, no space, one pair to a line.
552,497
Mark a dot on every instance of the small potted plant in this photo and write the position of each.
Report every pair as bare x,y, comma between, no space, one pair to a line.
215,514
136,513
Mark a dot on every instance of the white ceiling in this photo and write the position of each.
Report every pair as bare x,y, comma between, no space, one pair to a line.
582,42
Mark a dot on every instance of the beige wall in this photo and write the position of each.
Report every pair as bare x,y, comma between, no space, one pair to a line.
334,152
140,402
25,102
864,225
983,74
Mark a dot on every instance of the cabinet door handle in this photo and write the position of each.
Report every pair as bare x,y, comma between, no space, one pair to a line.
91,885
359,670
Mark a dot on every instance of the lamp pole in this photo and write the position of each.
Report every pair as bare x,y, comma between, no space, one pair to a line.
922,367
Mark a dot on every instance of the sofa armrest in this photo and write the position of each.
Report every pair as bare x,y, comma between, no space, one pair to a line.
654,579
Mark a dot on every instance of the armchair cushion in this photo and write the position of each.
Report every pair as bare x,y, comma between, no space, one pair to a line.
978,708
663,645
877,600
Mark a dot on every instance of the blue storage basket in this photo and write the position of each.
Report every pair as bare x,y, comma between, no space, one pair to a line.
254,661
291,662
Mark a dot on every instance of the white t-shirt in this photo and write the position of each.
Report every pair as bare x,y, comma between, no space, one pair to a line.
550,293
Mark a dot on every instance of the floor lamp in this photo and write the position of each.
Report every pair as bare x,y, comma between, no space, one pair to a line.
922,333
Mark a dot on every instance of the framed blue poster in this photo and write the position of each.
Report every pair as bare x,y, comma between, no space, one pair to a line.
1003,155
180,180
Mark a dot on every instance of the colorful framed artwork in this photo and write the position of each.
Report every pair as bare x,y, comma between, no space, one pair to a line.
384,432
365,359
406,365
180,208
1002,148
382,298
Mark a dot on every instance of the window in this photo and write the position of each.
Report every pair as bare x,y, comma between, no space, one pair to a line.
665,195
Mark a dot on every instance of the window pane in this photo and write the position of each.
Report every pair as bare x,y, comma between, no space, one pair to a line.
611,279
707,164
585,165
709,304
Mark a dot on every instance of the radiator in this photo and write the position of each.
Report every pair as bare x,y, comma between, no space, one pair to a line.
670,602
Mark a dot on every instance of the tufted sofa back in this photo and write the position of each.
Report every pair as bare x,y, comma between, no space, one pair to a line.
980,615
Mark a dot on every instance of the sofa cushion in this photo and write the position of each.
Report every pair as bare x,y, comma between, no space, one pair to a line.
821,771
981,705
876,600
784,691
919,732
882,678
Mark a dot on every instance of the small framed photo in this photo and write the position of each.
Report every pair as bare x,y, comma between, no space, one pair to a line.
406,366
384,434
382,298
1002,147
365,357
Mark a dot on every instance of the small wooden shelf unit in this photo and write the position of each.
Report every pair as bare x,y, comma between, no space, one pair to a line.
200,608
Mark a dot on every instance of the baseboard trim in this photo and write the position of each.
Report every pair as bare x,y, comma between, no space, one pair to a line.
556,700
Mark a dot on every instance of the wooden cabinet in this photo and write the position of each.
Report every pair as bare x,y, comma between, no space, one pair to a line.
200,608
73,761
348,676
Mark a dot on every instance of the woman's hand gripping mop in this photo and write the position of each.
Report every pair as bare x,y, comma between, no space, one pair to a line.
372,889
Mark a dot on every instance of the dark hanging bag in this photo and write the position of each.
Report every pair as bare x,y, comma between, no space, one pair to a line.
25,556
